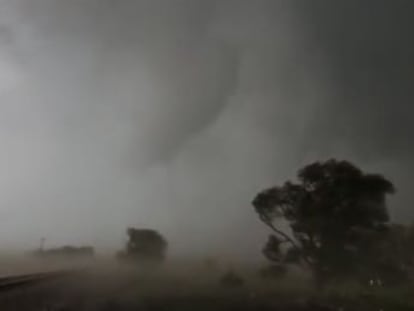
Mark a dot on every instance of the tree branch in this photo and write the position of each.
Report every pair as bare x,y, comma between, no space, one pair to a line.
285,236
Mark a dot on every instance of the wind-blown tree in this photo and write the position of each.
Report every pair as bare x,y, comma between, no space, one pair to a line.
145,246
336,214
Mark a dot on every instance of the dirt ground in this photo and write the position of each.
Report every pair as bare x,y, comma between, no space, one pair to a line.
111,286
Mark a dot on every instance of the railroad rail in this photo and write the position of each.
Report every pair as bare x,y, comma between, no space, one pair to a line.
10,282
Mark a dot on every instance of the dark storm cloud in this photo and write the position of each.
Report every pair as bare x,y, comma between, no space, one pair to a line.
126,45
173,114
369,48
97,96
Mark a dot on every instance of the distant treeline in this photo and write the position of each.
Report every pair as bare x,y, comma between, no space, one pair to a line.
66,251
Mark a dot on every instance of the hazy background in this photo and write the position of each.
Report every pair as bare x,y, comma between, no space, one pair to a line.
172,114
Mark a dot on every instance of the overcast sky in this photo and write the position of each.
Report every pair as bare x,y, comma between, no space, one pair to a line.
172,114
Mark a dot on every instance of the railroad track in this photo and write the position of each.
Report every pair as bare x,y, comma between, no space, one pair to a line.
11,282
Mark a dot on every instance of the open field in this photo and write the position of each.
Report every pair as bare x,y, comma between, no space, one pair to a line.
109,286
12,264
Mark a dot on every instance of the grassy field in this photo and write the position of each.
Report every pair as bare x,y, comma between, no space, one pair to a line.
110,286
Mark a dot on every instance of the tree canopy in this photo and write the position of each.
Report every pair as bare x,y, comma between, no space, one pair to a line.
145,245
335,213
